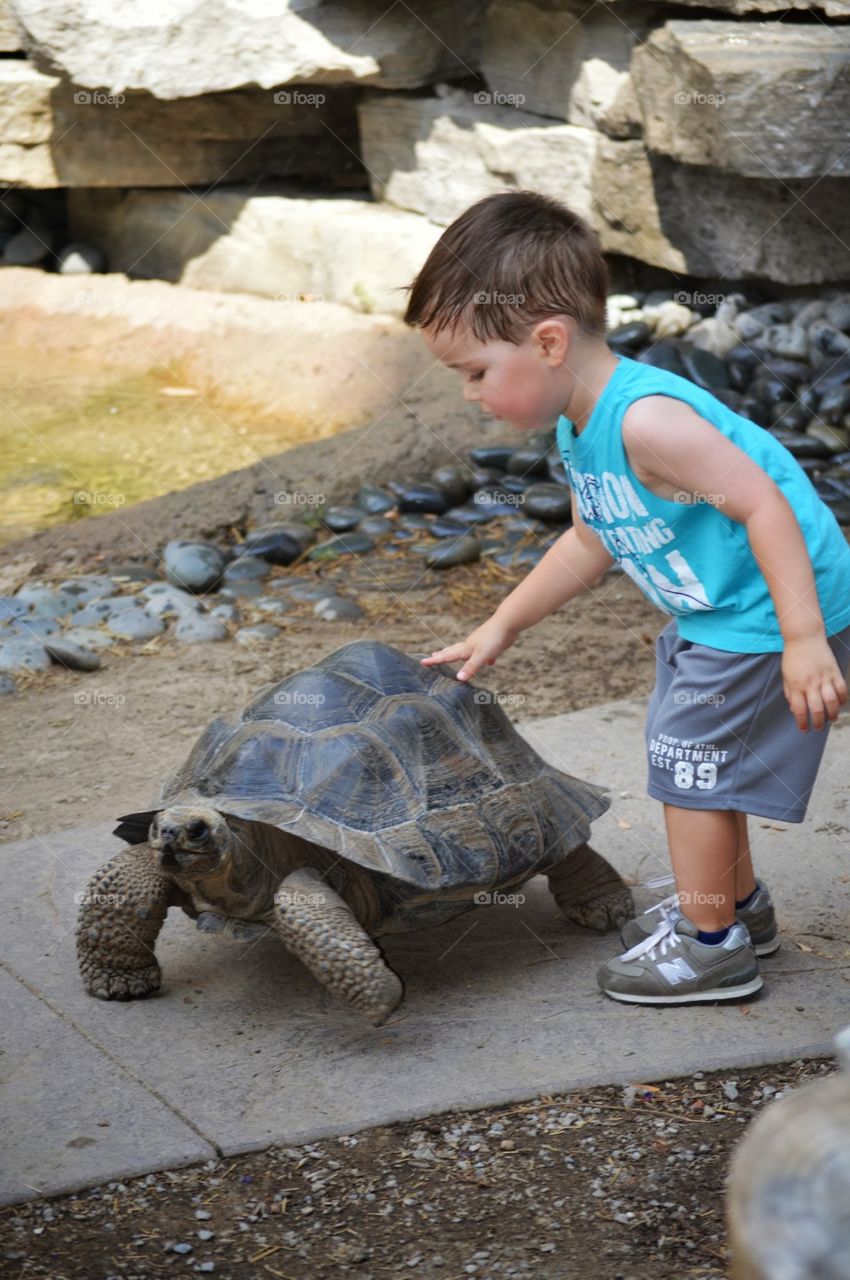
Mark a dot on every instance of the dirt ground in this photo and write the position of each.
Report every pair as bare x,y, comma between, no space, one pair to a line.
609,1184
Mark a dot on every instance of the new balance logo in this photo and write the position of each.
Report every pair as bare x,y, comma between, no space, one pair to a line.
676,970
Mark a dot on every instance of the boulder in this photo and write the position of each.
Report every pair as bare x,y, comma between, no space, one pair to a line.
568,63
278,243
760,99
832,8
10,35
187,48
436,155
55,134
709,223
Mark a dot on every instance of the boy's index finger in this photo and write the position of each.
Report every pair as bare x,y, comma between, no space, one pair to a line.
453,654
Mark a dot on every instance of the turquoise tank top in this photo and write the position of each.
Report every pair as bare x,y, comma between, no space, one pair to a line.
689,558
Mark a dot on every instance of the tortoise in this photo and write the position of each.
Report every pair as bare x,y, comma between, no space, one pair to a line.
788,1188
362,796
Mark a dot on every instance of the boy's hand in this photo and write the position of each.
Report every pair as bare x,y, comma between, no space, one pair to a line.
812,681
482,647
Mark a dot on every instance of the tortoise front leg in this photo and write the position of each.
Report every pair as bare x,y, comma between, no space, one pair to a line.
319,927
121,913
590,892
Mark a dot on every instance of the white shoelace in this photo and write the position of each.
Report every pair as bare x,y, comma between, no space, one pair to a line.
667,906
657,944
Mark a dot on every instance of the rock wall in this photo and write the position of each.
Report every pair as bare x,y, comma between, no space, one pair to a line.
340,138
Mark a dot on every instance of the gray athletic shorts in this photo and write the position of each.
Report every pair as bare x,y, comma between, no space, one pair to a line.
720,733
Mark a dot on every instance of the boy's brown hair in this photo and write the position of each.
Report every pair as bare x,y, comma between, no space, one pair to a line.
508,261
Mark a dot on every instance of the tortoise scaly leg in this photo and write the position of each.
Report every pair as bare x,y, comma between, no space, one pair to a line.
122,911
319,927
590,892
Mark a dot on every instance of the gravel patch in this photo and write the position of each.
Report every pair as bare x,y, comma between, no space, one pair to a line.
614,1183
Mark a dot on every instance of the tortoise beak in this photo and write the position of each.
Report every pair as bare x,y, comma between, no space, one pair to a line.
170,860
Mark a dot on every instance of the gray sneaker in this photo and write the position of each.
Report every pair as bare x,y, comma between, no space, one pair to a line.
759,918
672,966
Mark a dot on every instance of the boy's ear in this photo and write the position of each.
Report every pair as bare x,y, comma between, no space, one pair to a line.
552,338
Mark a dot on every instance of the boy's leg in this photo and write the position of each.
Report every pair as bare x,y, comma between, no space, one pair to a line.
712,863
679,963
704,853
745,876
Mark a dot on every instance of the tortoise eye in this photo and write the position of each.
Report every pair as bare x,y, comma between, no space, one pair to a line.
196,830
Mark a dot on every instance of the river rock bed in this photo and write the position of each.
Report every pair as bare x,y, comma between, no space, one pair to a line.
783,364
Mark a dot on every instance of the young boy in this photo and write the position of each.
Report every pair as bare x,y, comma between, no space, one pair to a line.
716,523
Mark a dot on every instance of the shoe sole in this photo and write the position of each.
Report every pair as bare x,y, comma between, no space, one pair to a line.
693,997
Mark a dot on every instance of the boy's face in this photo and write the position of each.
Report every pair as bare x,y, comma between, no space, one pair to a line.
518,384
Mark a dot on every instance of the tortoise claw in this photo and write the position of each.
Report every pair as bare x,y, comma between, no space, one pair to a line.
129,985
590,892
608,911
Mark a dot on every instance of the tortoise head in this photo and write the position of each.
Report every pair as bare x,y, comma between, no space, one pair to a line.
190,840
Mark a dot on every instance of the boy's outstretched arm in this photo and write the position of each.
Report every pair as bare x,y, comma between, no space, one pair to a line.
668,439
571,565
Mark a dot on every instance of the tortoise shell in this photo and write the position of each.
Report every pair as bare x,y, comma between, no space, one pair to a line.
401,768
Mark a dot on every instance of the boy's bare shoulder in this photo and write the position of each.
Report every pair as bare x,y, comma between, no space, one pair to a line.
660,421
662,436
649,411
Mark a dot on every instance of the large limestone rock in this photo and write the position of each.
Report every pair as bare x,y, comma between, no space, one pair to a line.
706,222
53,134
10,36
762,99
186,48
832,8
278,244
565,62
437,155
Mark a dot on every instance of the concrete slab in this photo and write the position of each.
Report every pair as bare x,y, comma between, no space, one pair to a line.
72,1115
242,1048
